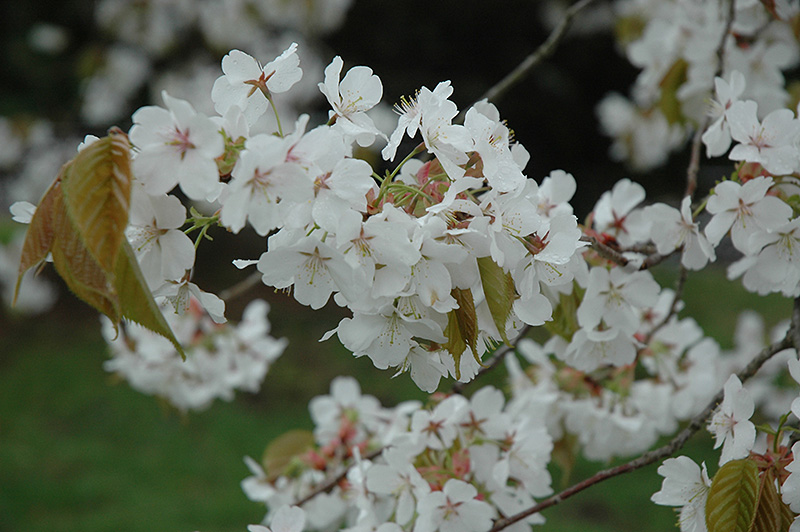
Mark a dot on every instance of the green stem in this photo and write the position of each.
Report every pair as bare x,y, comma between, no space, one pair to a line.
277,118
389,178
699,208
201,235
412,190
416,151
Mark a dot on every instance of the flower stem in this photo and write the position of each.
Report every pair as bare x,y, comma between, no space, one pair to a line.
277,118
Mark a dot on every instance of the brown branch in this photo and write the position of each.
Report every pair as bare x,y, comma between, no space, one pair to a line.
334,481
616,255
683,276
792,339
497,357
697,140
544,51
241,287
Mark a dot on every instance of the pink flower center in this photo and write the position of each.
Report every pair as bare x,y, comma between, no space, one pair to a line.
180,139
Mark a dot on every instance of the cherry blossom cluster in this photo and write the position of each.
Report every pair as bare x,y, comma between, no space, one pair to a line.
452,466
141,39
449,250
759,210
675,44
221,357
686,485
406,252
145,35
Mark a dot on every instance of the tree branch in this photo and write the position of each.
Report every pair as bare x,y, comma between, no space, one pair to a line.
616,256
792,339
332,482
544,51
497,357
683,276
241,287
697,140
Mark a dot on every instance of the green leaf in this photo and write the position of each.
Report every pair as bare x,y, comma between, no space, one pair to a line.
669,103
787,516
97,193
81,220
76,266
732,499
41,233
629,28
462,328
565,455
282,450
52,231
565,314
135,299
498,287
770,516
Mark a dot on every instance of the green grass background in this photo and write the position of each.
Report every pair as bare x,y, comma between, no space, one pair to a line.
82,452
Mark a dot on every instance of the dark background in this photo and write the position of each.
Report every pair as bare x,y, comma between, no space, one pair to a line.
408,43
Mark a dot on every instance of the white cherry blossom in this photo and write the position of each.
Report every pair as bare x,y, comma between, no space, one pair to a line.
401,479
410,115
685,485
717,137
591,349
612,296
492,143
286,519
770,142
312,267
744,209
672,229
615,212
261,179
164,252
350,99
247,84
386,336
176,146
454,509
776,267
731,423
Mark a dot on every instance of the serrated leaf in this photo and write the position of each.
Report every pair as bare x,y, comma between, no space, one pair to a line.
283,449
455,343
462,328
787,516
135,299
41,235
97,194
769,516
669,103
565,455
732,499
565,314
498,287
629,28
76,266
81,220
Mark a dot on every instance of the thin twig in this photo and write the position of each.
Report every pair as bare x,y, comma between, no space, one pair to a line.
232,292
605,251
697,140
544,51
616,256
497,357
792,339
680,284
334,481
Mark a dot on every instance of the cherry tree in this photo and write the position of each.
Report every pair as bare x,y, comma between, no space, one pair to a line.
446,257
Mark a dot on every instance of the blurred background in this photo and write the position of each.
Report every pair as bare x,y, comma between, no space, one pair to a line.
80,450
